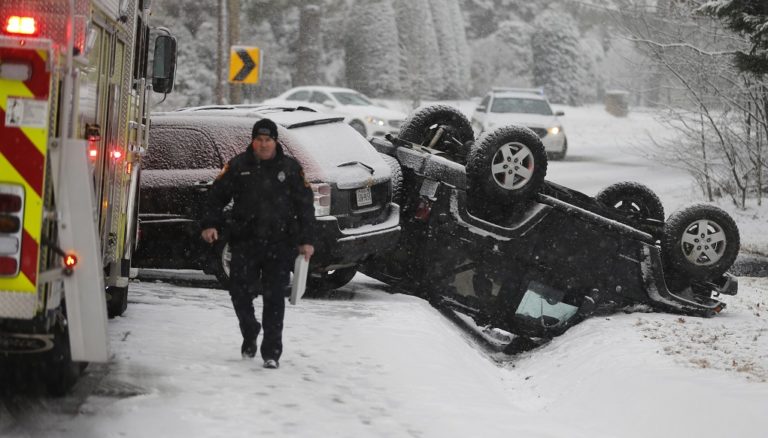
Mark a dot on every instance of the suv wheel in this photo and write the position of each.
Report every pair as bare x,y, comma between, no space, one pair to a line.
508,164
633,198
327,281
396,180
422,126
117,301
701,241
223,262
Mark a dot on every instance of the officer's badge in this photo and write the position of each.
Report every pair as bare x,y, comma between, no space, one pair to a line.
281,176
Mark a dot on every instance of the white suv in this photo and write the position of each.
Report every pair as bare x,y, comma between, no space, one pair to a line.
369,119
525,107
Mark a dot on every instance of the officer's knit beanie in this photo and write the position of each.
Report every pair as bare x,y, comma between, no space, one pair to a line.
264,127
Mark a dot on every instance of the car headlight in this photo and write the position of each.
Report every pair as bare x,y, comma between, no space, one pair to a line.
375,121
554,130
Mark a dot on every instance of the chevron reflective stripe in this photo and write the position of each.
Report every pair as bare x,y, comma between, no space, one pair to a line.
24,131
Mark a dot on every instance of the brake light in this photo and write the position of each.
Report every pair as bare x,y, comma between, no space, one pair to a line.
93,146
9,203
21,25
322,199
116,155
423,210
9,224
8,266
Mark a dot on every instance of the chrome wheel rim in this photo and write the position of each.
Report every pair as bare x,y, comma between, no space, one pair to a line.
703,242
512,166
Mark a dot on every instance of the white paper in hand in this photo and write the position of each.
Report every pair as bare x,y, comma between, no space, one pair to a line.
300,269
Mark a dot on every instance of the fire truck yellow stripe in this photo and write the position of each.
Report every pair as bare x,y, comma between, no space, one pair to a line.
17,284
14,89
33,211
38,137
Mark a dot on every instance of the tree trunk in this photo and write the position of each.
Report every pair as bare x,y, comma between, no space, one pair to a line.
233,28
308,59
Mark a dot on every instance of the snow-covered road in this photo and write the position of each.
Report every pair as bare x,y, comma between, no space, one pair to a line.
365,362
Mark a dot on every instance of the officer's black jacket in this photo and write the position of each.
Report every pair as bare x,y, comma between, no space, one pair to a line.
272,201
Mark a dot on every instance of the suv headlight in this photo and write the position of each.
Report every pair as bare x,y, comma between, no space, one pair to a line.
554,130
322,202
375,121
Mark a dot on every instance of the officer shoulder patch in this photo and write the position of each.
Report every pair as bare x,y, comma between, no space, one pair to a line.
223,171
281,176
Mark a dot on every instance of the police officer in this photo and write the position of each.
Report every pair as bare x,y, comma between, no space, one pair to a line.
272,218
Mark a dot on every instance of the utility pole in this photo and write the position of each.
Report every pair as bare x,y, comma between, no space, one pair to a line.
233,19
220,54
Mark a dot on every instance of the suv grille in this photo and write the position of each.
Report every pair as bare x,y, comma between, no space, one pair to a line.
541,132
344,206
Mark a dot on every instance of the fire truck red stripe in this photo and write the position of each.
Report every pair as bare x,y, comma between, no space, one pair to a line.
29,251
19,150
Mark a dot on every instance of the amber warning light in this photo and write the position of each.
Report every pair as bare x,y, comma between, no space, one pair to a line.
21,25
70,261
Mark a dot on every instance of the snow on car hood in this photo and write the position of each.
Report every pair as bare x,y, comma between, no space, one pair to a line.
335,153
531,120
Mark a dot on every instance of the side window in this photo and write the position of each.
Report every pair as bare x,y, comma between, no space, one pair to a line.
299,95
174,147
483,107
318,97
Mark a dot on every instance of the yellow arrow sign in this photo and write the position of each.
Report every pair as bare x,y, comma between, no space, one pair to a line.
244,64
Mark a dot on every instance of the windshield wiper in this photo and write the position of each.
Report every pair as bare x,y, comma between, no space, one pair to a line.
352,163
316,122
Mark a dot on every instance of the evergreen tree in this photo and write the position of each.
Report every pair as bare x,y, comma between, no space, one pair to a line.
558,62
372,58
503,58
462,47
748,18
421,69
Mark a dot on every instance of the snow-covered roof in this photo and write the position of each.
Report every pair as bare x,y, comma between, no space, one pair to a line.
325,88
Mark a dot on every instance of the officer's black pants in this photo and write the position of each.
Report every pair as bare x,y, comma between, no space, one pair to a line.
251,262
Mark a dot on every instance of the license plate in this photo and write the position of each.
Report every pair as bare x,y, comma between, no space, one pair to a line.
364,196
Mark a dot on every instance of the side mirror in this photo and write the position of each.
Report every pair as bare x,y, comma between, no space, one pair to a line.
329,103
559,113
481,109
164,64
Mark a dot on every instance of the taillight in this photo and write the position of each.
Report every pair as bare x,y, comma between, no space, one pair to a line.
322,199
9,203
423,210
8,266
11,224
93,147
21,25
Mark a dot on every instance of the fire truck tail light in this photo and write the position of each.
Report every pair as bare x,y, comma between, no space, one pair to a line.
9,203
8,266
21,25
116,155
9,224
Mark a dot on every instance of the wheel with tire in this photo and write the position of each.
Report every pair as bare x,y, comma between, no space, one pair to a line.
700,241
397,178
117,301
358,126
508,164
422,127
327,281
223,262
60,372
632,198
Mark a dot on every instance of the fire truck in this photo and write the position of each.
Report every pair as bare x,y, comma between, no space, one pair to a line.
74,105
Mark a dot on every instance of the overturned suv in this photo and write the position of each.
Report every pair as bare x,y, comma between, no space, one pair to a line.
484,233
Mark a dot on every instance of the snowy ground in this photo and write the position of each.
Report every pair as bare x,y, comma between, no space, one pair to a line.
366,362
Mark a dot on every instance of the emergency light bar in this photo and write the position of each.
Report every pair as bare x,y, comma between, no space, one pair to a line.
21,25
